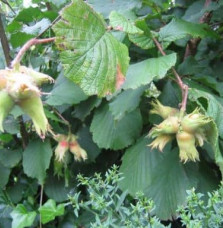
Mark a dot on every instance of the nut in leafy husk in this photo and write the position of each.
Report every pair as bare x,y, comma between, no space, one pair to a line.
69,142
189,130
37,77
168,126
62,147
3,80
186,144
163,111
160,141
78,152
33,107
6,104
193,121
20,86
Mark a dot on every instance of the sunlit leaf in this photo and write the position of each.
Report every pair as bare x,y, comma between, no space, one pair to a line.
144,72
50,210
91,58
21,217
119,22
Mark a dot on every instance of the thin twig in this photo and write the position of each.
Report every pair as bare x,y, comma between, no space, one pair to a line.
4,42
183,87
26,47
40,204
57,18
66,122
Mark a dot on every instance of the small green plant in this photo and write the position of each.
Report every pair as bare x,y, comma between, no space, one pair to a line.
198,213
109,206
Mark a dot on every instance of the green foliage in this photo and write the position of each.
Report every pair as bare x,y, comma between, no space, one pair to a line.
107,71
119,22
21,217
94,65
178,29
116,134
146,71
49,211
110,207
58,97
107,206
36,159
201,213
142,40
149,167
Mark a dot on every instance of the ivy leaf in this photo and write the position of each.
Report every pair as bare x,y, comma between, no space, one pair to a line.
36,159
92,58
142,40
21,217
119,22
65,92
115,134
49,211
144,72
106,6
178,29
160,176
125,102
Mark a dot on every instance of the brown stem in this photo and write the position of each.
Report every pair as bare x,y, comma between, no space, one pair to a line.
183,87
26,47
5,44
24,133
192,44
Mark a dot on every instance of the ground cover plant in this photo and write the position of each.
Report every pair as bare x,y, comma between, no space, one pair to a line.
88,84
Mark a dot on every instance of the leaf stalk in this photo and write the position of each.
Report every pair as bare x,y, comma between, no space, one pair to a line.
27,46
181,84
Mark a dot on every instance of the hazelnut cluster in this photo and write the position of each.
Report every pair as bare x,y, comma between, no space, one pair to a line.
69,142
188,130
20,86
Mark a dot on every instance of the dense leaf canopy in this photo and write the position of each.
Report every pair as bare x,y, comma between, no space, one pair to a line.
107,70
